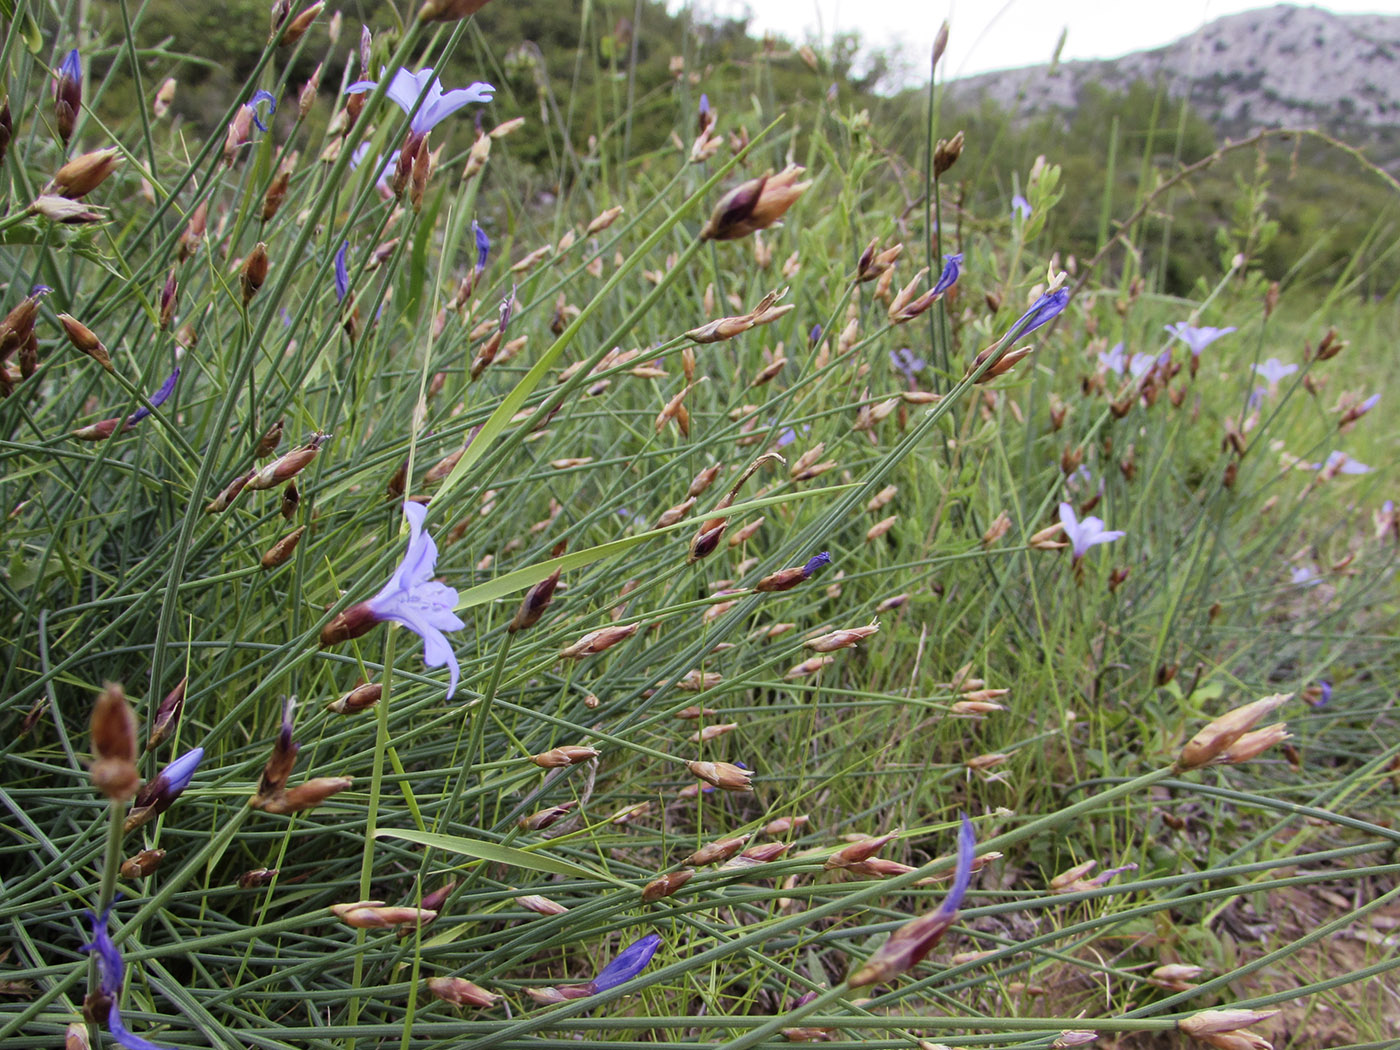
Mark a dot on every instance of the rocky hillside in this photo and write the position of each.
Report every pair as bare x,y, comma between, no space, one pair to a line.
1277,66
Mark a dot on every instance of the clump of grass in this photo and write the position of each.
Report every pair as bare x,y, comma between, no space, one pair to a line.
624,440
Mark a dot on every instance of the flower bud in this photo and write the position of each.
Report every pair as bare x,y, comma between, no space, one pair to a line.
596,641
143,864
304,796
287,466
461,992
827,643
1212,1022
1217,736
68,95
541,819
361,698
83,174
61,209
113,732
717,851
282,549
449,10
160,794
298,26
167,715
754,205
946,154
254,272
255,878
723,775
858,852
83,339
540,905
568,755
665,885
165,95
376,915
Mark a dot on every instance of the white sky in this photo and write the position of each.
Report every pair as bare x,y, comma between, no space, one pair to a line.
1000,34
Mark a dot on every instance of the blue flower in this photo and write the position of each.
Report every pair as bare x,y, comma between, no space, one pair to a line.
411,598
1087,533
631,961
157,399
1273,370
342,274
1042,312
814,335
1115,360
906,362
952,267
407,89
71,68
483,247
1196,338
819,561
159,794
252,104
1021,207
111,973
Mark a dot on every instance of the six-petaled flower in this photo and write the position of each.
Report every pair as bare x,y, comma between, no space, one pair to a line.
1196,338
407,89
1087,533
411,598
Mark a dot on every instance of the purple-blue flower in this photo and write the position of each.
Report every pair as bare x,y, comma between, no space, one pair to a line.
1339,462
1115,360
72,66
819,561
342,273
1196,338
412,598
962,875
407,89
111,974
907,363
952,267
814,335
1273,370
629,962
159,794
1140,364
1087,533
1021,207
483,248
252,105
1042,312
157,399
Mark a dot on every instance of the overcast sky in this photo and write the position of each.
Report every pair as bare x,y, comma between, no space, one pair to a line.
987,34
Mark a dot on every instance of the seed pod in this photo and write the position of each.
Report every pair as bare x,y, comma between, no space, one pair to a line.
224,499
946,154
375,915
858,852
298,26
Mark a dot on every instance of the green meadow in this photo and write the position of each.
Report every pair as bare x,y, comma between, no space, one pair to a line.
552,526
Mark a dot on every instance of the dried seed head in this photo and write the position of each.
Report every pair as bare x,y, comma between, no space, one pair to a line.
1254,743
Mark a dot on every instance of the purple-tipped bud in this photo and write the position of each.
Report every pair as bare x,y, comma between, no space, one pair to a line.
157,399
168,715
916,938
536,601
631,961
68,94
342,274
820,561
952,268
160,794
483,247
1042,312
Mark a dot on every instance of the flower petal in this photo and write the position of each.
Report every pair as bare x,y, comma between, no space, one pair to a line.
127,1038
631,961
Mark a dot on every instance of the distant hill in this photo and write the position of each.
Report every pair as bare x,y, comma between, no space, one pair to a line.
1274,67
